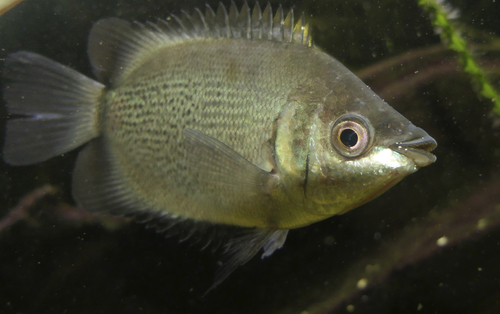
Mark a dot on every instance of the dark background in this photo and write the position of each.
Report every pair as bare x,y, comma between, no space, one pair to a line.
59,260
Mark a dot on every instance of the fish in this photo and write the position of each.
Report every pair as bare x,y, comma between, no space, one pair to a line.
228,128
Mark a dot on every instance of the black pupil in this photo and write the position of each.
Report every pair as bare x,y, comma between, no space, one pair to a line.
349,138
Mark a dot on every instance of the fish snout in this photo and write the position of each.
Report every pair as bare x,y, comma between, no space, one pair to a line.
418,147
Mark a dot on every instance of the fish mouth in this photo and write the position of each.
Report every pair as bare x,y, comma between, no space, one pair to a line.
419,149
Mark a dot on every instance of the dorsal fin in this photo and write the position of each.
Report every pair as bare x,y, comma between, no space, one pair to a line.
118,47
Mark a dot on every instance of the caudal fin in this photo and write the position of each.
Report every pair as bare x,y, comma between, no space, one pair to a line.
60,107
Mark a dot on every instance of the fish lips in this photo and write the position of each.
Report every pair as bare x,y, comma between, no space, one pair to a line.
419,149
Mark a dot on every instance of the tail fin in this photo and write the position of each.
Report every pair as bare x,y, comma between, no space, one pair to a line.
61,106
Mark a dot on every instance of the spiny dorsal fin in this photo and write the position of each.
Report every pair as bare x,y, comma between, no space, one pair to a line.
116,47
244,23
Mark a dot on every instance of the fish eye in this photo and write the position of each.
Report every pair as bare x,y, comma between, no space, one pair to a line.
351,135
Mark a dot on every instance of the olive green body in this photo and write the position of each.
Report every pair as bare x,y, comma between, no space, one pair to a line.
261,98
232,90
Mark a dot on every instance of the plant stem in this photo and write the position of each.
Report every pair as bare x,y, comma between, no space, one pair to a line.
439,17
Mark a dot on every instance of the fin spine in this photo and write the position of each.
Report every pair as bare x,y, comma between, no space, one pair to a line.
245,23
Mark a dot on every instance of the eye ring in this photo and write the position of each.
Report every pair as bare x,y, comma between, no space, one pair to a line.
351,135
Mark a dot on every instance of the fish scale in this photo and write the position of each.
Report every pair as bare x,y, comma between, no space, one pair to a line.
238,114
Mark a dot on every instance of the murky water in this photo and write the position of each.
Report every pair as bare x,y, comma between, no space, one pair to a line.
429,245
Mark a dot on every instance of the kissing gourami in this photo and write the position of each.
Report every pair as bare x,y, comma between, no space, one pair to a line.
209,122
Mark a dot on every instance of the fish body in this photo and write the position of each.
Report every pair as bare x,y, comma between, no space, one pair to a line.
194,85
219,119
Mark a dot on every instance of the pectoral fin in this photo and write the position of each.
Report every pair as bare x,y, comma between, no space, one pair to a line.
220,169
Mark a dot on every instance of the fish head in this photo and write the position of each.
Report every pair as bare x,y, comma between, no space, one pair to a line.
358,151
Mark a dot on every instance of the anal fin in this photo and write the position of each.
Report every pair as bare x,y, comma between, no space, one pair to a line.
99,186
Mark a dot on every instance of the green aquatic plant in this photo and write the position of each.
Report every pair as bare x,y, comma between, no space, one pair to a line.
441,14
